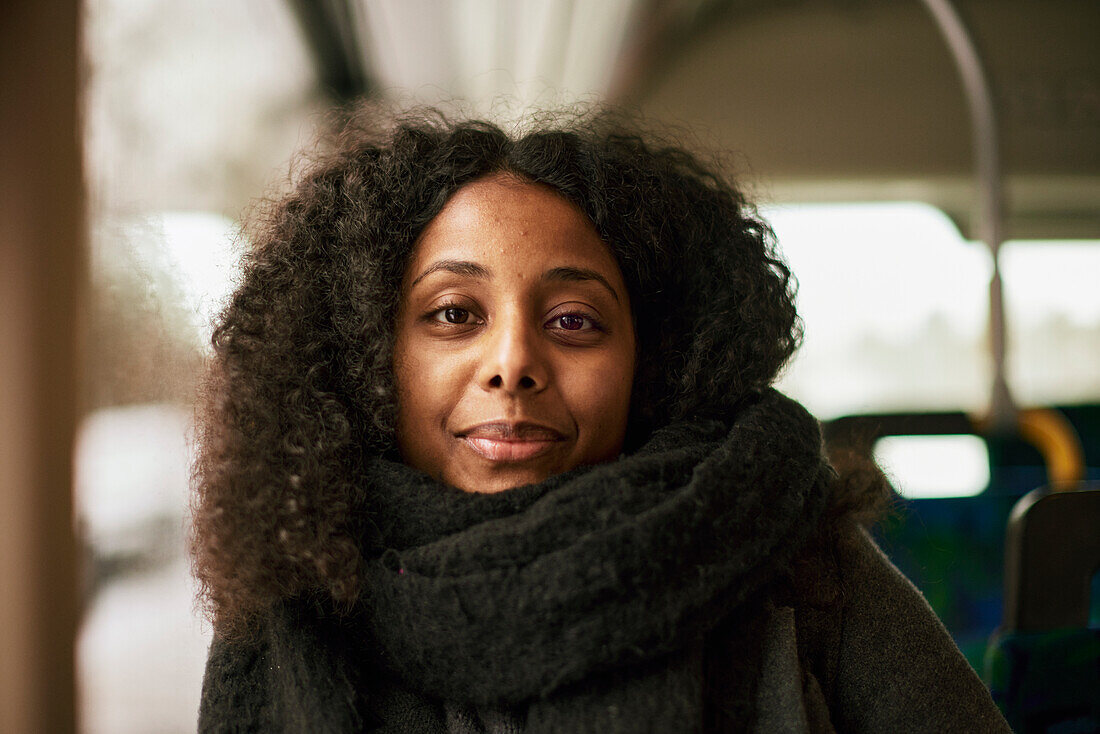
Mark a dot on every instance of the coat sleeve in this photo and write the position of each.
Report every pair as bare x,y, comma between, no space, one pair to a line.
897,669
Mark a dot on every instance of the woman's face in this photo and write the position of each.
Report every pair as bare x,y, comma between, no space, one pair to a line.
514,356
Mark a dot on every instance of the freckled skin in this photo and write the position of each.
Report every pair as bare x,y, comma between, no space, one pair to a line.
511,346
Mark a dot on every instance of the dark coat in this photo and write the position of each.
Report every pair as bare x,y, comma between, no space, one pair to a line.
695,585
881,662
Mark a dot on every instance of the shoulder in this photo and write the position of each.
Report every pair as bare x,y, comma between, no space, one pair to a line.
236,688
896,666
290,674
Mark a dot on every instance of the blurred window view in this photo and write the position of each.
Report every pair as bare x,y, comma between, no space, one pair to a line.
194,109
1053,313
895,307
157,282
927,467
895,304
191,111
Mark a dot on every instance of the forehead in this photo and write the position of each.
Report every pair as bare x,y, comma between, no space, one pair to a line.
508,224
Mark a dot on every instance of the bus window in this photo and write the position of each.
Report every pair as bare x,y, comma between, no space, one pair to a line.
934,466
895,305
1053,319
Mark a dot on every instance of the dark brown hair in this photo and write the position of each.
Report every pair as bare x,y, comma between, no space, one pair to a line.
301,386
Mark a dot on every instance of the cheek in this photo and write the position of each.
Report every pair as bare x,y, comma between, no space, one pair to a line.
427,388
599,395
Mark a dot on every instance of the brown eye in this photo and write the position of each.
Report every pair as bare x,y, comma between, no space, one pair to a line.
456,315
571,322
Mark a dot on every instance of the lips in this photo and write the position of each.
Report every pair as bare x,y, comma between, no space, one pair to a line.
510,442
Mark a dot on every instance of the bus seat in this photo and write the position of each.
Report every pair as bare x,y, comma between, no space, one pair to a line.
953,548
1043,665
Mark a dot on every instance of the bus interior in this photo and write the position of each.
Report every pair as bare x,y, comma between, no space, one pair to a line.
931,169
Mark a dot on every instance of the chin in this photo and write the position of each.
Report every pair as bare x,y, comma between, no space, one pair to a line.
500,481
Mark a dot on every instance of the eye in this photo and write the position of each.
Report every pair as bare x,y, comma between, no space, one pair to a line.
452,315
572,322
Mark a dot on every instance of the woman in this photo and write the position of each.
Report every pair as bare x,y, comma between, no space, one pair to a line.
489,447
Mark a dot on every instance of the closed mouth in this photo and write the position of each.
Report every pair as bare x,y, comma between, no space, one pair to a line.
510,442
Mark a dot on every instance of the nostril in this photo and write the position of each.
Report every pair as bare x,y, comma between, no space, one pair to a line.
526,382
497,381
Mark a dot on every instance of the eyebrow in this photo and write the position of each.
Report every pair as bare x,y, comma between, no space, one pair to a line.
458,267
470,269
577,275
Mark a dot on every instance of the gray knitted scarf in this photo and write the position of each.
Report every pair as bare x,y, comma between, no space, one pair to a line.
584,603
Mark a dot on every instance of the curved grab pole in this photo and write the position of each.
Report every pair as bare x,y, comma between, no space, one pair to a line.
983,121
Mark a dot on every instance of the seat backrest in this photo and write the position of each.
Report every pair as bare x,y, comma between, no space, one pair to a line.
1052,551
1043,666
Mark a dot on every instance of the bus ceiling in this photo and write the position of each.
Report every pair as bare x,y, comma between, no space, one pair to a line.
830,100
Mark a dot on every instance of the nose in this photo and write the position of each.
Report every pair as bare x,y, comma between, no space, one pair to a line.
512,360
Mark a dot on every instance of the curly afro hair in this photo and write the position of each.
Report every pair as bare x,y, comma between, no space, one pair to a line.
301,388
